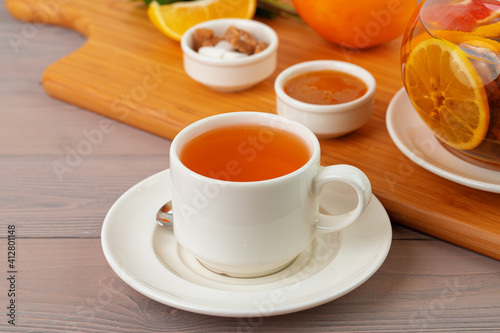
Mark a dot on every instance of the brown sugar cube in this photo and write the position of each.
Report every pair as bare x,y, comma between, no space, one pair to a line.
212,41
201,36
241,40
260,47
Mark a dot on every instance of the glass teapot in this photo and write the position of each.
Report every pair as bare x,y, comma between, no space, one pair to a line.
451,64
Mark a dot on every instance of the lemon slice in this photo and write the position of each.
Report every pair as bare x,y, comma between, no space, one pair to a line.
448,93
174,19
488,31
468,38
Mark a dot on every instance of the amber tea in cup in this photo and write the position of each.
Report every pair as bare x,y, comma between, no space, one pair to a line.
245,152
258,222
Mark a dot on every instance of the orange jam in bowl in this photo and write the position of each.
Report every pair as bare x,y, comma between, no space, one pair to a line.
325,87
330,97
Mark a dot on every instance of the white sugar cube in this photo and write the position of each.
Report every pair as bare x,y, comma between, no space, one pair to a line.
234,55
225,45
211,52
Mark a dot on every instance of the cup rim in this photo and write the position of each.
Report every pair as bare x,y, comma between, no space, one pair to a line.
243,23
315,65
252,116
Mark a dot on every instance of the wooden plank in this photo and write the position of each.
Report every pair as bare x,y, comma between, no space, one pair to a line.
41,205
106,75
66,285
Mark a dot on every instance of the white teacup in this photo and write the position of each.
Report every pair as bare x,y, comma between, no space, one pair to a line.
255,228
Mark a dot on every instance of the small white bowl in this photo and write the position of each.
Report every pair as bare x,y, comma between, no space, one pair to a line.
230,75
326,121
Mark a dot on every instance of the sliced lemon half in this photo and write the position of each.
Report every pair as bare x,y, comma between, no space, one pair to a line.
174,19
448,93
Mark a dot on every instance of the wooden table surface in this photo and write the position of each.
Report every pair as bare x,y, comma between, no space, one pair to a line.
63,283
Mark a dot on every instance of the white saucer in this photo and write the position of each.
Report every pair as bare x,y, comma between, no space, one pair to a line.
417,142
148,258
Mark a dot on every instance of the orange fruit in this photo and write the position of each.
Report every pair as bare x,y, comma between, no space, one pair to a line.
447,93
356,24
175,18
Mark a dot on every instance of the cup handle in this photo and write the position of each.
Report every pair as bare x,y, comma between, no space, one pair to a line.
351,176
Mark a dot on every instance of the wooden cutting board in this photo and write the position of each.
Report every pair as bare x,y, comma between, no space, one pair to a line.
130,72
